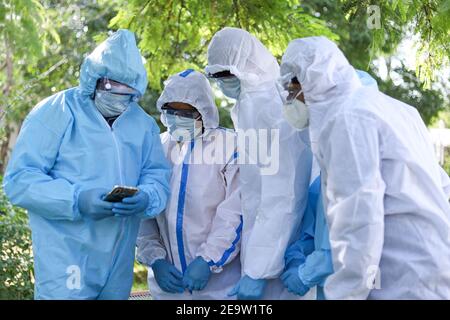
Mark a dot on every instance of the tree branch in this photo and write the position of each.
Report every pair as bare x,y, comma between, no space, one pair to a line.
236,9
141,10
177,45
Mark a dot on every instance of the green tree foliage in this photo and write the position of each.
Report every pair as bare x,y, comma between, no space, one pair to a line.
354,36
427,18
427,102
174,35
16,261
77,23
25,33
348,19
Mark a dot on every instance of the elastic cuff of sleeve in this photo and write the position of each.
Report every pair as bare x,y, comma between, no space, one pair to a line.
212,266
152,261
149,261
153,203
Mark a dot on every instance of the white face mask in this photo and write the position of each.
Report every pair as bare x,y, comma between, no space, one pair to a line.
296,113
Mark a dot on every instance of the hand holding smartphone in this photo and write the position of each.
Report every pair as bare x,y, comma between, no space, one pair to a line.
120,192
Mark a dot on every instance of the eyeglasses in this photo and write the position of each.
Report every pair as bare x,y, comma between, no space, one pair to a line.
192,114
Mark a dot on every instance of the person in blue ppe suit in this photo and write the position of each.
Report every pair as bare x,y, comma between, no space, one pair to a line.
72,149
308,261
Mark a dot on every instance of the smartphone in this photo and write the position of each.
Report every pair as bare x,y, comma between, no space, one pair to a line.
120,192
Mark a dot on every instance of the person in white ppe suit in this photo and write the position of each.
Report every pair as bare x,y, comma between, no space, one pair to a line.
271,201
383,190
193,248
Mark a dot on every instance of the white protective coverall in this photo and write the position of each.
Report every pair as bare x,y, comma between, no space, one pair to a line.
387,211
203,215
272,204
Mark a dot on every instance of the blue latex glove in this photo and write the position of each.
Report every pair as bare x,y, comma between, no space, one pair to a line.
249,289
197,274
292,282
167,276
294,263
132,205
91,204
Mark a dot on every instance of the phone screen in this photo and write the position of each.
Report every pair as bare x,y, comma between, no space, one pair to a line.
120,192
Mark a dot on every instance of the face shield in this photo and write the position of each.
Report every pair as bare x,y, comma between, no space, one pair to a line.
114,87
113,98
228,83
183,125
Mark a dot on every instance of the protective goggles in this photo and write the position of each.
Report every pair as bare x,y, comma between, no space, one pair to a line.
221,74
117,88
192,114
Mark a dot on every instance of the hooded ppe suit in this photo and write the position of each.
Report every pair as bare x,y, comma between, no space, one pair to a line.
384,197
271,201
203,215
312,249
66,146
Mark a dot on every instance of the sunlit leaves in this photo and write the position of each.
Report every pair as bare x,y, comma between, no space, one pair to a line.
175,34
427,18
16,260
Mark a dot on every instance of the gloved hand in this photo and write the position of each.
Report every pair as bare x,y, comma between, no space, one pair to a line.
132,205
292,282
294,263
249,289
197,274
167,276
91,204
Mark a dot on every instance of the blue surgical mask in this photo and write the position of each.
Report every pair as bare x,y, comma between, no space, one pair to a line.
182,128
111,104
230,86
366,79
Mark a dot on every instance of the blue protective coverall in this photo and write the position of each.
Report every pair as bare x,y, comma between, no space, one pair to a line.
313,246
66,146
